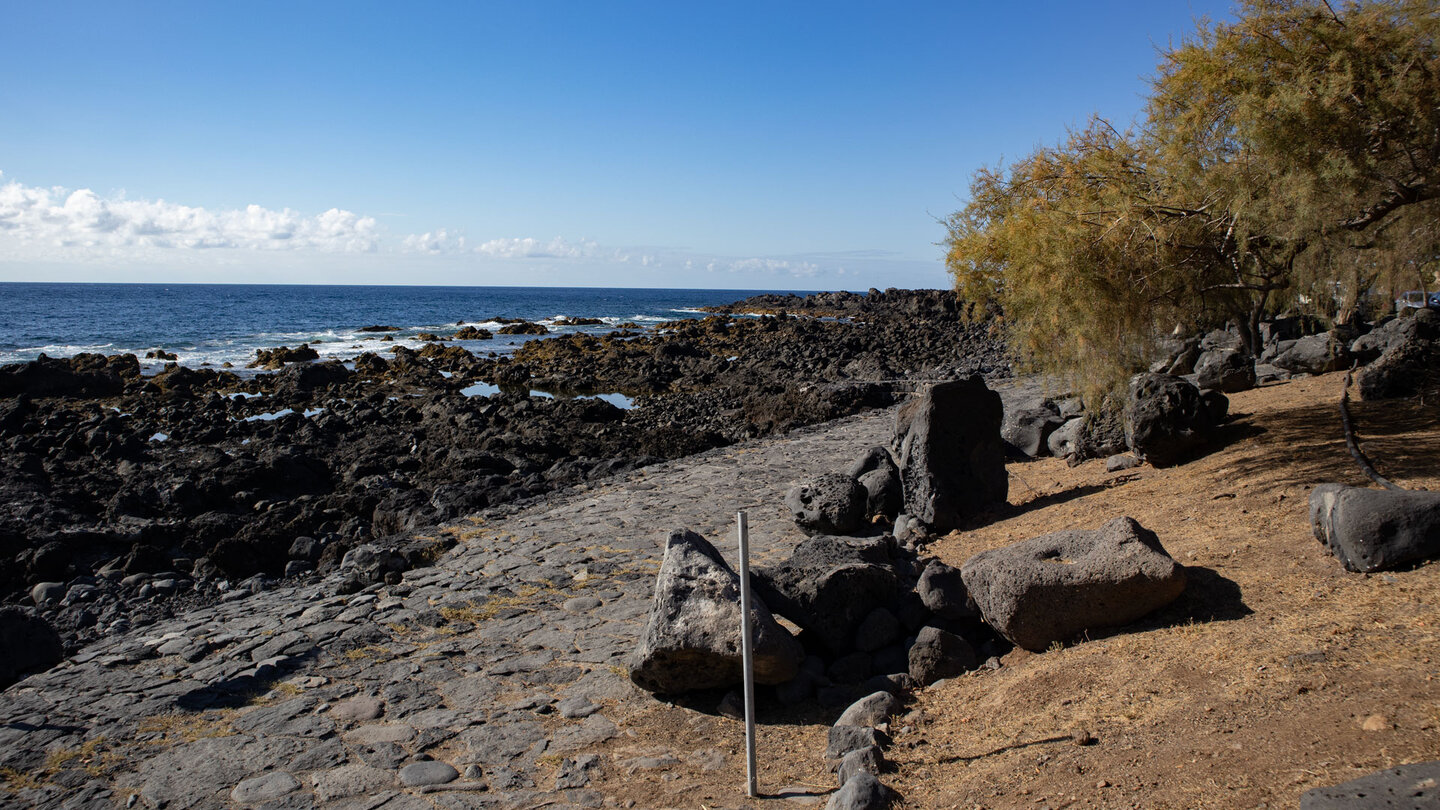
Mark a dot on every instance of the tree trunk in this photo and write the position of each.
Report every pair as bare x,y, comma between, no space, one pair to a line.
1249,325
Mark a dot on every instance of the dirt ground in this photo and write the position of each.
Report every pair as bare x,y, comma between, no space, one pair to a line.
1276,671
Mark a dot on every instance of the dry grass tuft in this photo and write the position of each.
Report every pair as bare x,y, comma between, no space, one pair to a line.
187,727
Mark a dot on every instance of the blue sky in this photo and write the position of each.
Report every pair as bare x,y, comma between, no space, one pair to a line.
731,145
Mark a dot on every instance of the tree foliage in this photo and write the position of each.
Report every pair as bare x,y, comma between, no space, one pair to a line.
1293,154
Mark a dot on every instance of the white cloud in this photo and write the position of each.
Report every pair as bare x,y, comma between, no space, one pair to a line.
442,242
435,242
82,222
445,242
530,248
783,267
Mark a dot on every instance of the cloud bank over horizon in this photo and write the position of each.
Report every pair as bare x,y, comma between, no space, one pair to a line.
56,222
54,226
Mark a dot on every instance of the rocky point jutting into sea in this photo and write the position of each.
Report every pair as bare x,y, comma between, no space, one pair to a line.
126,498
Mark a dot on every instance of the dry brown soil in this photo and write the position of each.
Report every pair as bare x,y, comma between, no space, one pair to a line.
1276,672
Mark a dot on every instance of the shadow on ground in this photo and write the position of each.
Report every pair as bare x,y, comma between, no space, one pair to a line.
241,690
1308,443
1209,597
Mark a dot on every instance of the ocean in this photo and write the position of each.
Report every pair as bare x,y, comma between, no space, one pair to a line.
213,324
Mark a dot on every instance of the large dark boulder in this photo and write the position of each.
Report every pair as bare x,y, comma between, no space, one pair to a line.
692,638
1375,529
1064,441
1101,434
1027,428
873,710
1166,419
1410,362
1316,354
1225,370
1219,339
311,376
1181,357
942,590
1369,346
524,328
828,504
277,357
938,654
28,644
369,564
184,380
951,456
862,791
1280,329
830,585
473,333
84,375
878,474
1054,587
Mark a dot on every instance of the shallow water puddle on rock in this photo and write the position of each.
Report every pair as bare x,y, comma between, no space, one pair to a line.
273,415
620,401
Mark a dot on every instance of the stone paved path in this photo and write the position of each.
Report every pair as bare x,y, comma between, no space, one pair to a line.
445,691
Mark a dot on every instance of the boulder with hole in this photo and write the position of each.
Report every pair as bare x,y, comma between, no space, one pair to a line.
1166,419
828,504
1055,587
1064,441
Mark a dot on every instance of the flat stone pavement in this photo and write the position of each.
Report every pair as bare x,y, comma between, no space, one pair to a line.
468,685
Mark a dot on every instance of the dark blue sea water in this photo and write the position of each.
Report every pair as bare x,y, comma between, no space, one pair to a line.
219,323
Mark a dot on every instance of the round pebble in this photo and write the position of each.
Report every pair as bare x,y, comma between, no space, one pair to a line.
580,604
420,774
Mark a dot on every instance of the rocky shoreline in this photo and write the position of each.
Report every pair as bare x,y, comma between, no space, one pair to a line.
129,498
494,678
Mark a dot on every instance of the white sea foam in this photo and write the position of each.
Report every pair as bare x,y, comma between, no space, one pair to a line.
26,353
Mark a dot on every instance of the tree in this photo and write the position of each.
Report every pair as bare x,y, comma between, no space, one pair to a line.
1295,149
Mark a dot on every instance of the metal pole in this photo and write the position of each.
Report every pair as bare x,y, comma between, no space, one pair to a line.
752,788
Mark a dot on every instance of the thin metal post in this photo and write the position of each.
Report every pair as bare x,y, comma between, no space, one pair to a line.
752,788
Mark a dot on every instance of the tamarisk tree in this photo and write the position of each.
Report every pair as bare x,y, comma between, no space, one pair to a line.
1293,154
